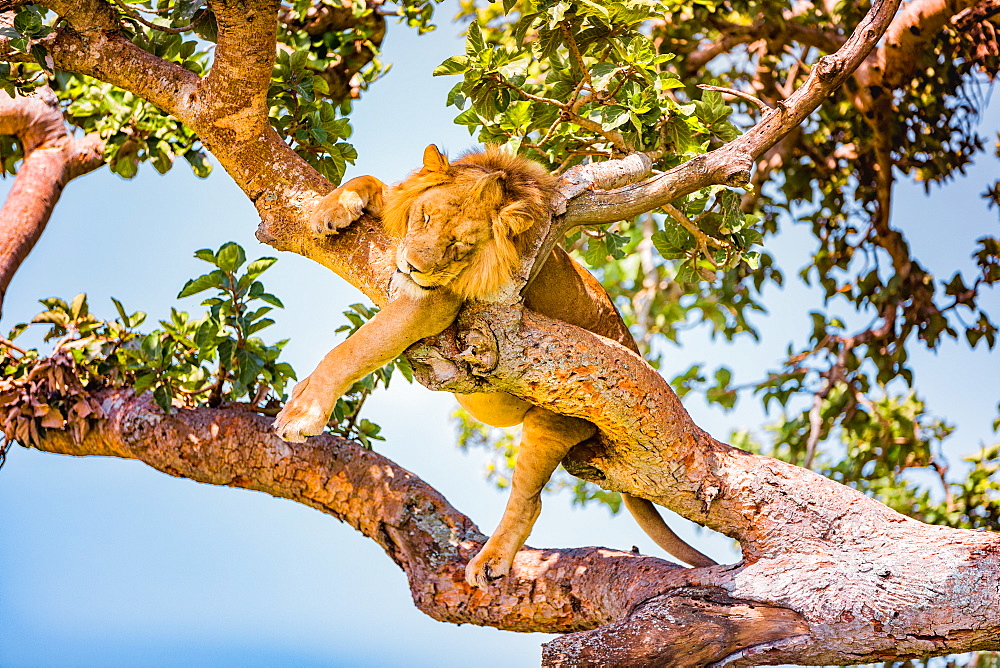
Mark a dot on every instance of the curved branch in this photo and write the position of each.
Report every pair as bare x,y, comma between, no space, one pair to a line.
731,164
52,158
871,583
549,590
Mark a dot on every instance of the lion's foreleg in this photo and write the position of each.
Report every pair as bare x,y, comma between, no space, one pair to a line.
400,324
545,440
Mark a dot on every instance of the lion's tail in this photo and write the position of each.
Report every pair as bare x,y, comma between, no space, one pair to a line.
649,519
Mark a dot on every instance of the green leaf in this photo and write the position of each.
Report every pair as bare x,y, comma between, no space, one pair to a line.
163,395
42,57
453,65
27,21
143,382
613,116
205,254
230,257
121,312
474,42
271,299
204,282
259,266
207,28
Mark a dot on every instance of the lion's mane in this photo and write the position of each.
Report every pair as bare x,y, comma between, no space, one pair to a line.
514,192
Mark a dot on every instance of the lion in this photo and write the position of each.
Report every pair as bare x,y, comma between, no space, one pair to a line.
461,229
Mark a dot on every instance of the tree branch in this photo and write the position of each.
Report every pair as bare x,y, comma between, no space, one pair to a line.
549,590
52,158
731,164
871,584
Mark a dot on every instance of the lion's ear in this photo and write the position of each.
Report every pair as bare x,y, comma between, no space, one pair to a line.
434,160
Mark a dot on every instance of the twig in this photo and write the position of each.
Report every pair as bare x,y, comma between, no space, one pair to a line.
815,426
764,106
8,344
701,239
149,24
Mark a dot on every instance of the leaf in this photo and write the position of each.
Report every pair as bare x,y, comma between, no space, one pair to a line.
204,282
163,396
207,28
121,312
27,21
42,57
666,247
601,75
474,43
453,65
143,383
79,306
271,299
230,257
205,254
613,116
259,266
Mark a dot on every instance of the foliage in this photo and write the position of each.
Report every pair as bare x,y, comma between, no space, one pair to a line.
186,362
211,361
322,64
310,122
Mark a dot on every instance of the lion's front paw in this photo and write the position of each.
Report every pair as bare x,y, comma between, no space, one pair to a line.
335,212
486,567
303,416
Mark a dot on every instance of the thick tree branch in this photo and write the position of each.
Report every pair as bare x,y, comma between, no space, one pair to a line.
871,583
52,158
244,59
549,590
229,120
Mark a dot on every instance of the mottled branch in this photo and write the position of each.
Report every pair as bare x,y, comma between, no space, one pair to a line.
52,158
549,590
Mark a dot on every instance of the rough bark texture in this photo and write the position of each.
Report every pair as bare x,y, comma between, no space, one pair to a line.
828,575
52,158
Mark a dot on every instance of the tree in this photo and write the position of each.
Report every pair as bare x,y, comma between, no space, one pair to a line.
562,82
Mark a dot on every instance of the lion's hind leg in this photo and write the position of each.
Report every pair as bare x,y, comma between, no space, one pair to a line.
545,439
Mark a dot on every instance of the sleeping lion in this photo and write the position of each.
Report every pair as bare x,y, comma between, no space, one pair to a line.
462,229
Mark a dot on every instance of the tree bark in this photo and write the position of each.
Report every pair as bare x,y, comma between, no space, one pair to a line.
52,158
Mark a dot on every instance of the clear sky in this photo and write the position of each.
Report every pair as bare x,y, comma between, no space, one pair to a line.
107,562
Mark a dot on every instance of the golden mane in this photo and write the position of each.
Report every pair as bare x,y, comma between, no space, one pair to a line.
513,192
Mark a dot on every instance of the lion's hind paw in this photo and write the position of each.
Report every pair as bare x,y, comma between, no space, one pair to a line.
484,569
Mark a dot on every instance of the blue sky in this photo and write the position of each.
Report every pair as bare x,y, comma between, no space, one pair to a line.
107,562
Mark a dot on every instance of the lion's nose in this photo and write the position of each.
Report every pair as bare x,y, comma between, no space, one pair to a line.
411,268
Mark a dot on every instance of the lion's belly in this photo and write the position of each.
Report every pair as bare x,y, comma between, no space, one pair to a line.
497,409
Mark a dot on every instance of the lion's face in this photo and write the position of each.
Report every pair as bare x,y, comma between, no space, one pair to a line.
445,234
461,225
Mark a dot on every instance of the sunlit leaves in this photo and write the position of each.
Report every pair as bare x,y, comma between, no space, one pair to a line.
309,122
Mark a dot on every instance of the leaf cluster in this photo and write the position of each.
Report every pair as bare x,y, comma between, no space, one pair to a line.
299,112
184,363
